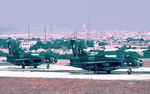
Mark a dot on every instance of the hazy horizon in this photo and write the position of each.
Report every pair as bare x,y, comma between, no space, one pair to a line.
72,14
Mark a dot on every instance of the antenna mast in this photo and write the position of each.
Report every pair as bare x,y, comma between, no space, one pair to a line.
28,32
45,33
75,34
51,29
88,30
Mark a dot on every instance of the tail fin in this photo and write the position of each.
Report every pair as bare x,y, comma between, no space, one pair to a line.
77,51
9,47
74,48
12,50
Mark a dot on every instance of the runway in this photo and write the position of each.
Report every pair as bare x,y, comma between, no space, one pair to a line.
63,71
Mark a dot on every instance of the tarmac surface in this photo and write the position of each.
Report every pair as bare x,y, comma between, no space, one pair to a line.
64,79
65,71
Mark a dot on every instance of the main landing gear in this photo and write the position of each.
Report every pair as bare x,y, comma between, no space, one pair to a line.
35,66
96,71
23,66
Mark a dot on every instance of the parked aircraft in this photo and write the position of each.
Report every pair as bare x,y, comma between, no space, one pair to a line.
27,59
101,63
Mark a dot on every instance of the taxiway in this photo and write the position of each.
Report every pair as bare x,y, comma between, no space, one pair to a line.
64,71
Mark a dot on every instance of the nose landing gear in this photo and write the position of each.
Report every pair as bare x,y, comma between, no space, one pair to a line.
48,66
129,71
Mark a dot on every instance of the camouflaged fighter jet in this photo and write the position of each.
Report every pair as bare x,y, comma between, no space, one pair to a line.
27,59
101,63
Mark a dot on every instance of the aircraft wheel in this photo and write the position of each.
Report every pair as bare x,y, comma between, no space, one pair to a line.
35,66
129,71
95,67
47,66
108,72
23,66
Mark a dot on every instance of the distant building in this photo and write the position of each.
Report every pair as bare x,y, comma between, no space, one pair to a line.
27,44
110,48
139,51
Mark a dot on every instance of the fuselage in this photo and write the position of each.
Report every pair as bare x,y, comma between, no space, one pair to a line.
26,60
102,63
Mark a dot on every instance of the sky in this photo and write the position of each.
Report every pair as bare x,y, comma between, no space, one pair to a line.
72,14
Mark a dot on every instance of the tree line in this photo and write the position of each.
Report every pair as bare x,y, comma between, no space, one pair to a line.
65,44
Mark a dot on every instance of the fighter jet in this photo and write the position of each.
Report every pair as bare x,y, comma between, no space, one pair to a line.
80,59
23,59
